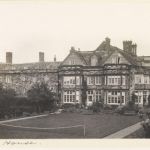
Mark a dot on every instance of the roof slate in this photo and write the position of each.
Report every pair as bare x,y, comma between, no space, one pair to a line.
37,65
103,54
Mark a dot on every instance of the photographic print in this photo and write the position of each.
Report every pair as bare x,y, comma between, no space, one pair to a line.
74,70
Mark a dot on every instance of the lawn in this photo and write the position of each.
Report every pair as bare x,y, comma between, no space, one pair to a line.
96,126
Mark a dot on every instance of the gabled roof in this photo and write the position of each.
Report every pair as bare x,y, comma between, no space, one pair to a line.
132,59
103,52
85,55
102,47
77,54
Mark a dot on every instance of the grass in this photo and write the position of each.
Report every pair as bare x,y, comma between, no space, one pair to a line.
97,126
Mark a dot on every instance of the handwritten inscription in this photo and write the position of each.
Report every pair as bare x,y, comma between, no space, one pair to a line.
9,142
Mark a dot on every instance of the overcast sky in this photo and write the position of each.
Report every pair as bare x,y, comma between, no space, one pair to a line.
53,27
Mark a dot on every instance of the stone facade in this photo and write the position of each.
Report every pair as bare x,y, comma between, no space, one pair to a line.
22,76
111,75
106,74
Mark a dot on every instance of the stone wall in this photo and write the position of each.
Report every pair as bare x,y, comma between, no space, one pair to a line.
22,82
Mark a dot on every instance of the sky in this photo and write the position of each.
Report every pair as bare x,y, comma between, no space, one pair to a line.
54,26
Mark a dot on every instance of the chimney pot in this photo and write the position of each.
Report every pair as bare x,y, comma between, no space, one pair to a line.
107,41
55,58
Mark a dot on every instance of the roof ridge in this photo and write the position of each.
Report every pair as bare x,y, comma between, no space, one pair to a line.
37,63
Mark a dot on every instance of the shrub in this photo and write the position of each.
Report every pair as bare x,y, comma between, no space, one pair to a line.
148,100
77,105
71,109
128,107
107,107
137,108
131,106
113,107
146,125
41,97
121,109
97,106
25,114
67,105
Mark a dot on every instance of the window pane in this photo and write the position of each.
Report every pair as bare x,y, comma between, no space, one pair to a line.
112,80
115,99
90,98
119,81
112,100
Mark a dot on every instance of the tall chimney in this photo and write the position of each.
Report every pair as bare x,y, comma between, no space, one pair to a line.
9,57
41,56
134,49
127,46
55,58
107,40
72,49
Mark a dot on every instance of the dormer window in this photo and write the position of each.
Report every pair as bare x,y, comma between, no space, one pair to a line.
116,60
72,62
94,60
113,60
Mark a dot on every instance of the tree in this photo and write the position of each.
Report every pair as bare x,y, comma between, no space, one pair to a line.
131,104
149,100
41,97
84,94
7,100
134,98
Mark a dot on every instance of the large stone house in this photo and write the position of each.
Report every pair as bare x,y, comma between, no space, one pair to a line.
106,74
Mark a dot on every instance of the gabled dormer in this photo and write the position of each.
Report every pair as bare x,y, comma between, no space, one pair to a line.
74,58
116,57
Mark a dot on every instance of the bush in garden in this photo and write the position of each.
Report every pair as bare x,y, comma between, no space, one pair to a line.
41,97
121,109
148,100
97,106
146,125
68,105
7,100
107,107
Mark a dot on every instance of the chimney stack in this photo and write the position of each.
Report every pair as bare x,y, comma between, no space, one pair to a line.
129,47
55,58
41,56
107,40
134,49
9,57
72,49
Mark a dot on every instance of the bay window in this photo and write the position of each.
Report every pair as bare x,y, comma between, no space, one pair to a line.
116,80
115,97
69,96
